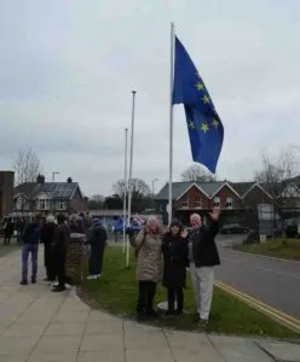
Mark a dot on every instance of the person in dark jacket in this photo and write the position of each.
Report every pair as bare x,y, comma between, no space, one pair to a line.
203,256
31,239
97,239
60,248
8,231
47,238
175,253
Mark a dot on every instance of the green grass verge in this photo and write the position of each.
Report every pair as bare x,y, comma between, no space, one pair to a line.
116,292
280,248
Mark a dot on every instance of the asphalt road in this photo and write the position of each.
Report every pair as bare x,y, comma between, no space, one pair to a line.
273,281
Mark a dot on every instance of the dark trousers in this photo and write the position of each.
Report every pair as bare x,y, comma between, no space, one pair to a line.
179,295
48,261
96,260
7,237
147,291
59,260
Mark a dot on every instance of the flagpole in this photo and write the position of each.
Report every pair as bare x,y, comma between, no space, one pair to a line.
170,205
125,190
130,174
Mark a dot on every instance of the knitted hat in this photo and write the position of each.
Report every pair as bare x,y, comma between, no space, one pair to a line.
176,222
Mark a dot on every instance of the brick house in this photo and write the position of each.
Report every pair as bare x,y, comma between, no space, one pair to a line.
54,197
238,201
6,192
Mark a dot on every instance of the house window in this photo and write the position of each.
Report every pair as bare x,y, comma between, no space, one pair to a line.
198,201
217,202
61,205
185,202
44,204
229,202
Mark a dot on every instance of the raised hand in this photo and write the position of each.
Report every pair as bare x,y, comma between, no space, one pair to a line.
215,215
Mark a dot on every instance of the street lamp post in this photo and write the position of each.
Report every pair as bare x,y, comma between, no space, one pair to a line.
153,186
53,175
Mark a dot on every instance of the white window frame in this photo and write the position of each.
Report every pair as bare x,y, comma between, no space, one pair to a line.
217,202
229,203
45,203
61,205
185,202
198,202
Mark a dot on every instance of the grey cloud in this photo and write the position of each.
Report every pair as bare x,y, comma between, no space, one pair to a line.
66,75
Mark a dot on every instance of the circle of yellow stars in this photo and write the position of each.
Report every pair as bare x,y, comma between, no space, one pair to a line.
205,127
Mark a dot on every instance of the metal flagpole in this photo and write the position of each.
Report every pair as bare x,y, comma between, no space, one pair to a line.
130,174
170,206
125,190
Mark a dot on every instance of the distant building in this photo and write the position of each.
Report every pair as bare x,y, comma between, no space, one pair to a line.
6,193
237,200
54,197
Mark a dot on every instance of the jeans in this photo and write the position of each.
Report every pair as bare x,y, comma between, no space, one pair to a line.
33,250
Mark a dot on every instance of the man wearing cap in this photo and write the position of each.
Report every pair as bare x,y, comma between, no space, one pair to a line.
203,256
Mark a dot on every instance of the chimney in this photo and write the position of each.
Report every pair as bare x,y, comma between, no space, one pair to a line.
69,180
40,179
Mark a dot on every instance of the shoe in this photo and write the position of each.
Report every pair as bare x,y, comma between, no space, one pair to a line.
178,312
24,282
170,313
58,288
203,323
92,277
151,314
33,281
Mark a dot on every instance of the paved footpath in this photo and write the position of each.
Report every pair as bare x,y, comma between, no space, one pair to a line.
37,325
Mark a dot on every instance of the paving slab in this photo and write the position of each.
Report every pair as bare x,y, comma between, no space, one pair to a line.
101,356
150,355
102,343
53,357
105,327
239,349
57,344
201,354
65,329
37,325
16,346
25,330
282,352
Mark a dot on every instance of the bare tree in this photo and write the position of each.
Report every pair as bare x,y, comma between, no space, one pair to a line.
139,188
141,194
27,166
276,172
197,173
96,202
275,176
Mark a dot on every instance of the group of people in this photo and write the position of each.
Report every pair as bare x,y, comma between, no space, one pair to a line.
55,233
11,227
166,256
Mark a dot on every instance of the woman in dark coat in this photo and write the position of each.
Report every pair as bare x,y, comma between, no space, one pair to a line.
47,238
97,239
175,253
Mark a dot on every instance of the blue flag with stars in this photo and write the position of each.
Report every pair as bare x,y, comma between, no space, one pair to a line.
205,128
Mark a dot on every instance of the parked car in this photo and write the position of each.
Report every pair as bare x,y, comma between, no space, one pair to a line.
234,229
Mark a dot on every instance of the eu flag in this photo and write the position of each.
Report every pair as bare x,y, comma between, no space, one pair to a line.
204,125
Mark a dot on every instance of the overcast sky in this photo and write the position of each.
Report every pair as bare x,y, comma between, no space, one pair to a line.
67,69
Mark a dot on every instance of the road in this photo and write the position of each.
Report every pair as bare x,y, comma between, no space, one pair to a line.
273,281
